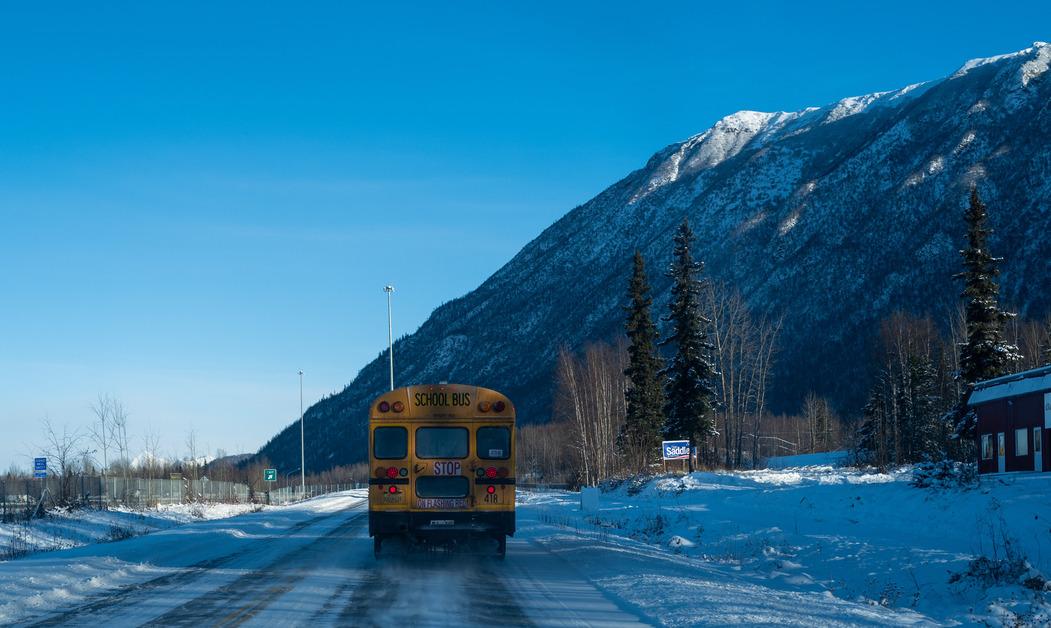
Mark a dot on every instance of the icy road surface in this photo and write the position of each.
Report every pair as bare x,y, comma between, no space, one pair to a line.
801,547
311,564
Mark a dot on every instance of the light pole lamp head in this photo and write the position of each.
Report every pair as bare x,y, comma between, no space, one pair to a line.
388,288
300,372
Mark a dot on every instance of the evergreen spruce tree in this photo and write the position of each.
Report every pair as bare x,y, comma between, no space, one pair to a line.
689,391
985,354
921,435
872,433
640,437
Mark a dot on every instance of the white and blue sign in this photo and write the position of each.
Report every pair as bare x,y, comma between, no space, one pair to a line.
40,467
675,449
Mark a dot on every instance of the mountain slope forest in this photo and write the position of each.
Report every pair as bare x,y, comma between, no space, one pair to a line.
830,218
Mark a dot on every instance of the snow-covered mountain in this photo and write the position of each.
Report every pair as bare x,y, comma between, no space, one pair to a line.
834,216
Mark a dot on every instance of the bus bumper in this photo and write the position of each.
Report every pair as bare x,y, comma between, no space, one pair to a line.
441,524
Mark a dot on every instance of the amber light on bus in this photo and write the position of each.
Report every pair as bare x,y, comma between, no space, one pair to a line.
484,406
397,406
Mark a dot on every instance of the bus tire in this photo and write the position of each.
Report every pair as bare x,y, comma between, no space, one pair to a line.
377,541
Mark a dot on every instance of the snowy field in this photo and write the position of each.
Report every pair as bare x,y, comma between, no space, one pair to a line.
809,546
64,529
806,546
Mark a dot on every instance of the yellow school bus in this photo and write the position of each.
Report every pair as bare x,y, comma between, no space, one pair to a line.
443,465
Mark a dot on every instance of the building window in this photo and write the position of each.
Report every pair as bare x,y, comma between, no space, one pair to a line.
1022,442
987,446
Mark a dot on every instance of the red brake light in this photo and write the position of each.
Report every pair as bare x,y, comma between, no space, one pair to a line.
488,489
392,472
398,406
490,472
392,490
499,406
384,407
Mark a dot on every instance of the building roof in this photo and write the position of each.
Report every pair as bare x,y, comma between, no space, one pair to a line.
1033,380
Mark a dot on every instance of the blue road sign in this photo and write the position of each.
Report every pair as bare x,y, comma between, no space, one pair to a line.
40,467
675,449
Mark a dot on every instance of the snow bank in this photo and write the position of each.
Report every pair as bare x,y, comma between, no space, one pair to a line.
50,580
63,529
807,545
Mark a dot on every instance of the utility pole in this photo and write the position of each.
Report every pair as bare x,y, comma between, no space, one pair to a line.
390,334
302,442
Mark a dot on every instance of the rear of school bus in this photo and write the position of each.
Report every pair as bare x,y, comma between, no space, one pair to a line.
442,460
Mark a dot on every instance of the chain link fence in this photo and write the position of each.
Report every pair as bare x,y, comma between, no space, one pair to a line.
289,494
19,498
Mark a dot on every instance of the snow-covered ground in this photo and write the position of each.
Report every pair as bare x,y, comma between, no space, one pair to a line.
63,529
804,546
50,580
807,546
822,458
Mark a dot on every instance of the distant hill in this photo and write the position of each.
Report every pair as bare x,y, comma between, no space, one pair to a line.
834,216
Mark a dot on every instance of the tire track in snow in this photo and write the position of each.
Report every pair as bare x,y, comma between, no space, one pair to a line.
108,603
226,605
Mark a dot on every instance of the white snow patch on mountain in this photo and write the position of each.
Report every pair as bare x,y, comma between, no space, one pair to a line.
977,63
850,106
724,140
935,165
1037,66
789,223
965,141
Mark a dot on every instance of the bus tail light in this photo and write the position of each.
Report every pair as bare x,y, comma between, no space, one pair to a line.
392,472
380,472
392,490
490,472
502,472
489,489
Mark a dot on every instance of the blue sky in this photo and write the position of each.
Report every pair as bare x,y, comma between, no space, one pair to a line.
196,201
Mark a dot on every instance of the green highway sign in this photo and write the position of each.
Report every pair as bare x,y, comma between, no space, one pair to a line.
270,475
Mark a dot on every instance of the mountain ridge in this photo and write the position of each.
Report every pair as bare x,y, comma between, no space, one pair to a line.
832,216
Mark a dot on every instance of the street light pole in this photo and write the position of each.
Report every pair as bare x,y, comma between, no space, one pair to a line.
390,334
302,442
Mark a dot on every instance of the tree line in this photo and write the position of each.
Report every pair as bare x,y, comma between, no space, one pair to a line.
707,380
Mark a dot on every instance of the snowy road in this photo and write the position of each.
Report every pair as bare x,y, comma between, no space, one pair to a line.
306,567
796,547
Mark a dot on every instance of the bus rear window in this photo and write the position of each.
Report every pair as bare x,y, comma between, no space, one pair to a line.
441,442
494,443
390,443
450,486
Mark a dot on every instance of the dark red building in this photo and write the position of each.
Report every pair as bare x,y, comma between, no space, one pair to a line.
1014,417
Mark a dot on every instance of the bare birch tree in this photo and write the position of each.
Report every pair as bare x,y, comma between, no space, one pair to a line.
744,351
63,450
591,398
102,409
